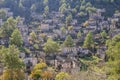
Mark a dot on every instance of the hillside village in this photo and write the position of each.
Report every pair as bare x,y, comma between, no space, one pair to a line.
69,34
68,57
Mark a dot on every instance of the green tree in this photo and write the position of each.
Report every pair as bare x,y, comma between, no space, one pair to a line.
51,46
81,14
79,34
2,14
8,27
68,19
91,9
113,61
12,64
16,38
103,35
63,8
21,4
33,7
74,11
36,46
82,8
70,28
46,9
68,41
63,30
88,4
18,19
33,36
88,42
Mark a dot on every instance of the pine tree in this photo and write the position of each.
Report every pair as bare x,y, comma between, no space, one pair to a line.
79,34
16,38
88,41
68,41
104,36
33,36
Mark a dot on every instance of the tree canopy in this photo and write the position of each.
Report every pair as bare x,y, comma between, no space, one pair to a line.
51,46
8,27
16,38
88,42
13,64
68,41
113,55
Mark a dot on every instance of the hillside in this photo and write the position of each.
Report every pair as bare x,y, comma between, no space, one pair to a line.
75,7
59,39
